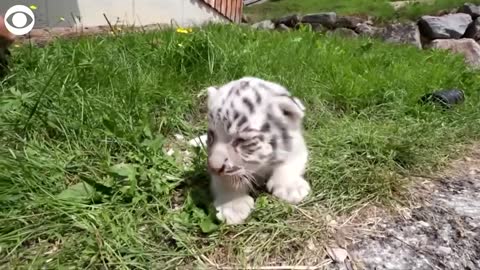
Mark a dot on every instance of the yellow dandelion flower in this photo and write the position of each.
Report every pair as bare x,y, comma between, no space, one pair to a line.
33,7
17,45
182,30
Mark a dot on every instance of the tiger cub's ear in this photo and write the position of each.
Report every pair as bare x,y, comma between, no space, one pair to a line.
291,108
211,93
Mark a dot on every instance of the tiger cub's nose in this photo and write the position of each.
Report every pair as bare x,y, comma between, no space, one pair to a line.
217,167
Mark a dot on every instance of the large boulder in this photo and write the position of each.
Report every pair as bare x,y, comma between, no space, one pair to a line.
444,27
470,9
465,46
406,33
327,19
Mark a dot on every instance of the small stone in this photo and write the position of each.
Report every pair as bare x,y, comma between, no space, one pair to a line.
389,265
327,19
199,141
264,25
337,254
423,224
179,137
444,250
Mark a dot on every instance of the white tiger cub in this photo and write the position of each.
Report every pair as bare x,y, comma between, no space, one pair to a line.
254,137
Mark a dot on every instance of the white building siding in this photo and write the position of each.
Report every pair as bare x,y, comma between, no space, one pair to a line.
138,12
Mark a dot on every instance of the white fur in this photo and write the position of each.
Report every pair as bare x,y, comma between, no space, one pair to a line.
233,203
286,181
233,206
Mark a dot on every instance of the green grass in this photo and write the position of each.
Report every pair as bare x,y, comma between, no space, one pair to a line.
380,9
85,125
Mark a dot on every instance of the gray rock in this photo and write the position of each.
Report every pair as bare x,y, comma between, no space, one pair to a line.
465,46
264,25
444,250
448,243
447,26
327,19
349,22
289,20
473,30
365,29
407,33
343,32
470,9
282,27
318,27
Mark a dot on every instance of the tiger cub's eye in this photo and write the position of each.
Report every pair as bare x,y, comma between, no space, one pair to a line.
210,137
238,141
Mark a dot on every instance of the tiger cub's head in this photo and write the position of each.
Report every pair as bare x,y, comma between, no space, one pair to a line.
252,124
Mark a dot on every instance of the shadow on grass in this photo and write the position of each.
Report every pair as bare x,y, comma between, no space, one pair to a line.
196,197
197,187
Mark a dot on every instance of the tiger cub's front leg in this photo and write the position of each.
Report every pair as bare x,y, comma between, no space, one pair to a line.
233,205
287,181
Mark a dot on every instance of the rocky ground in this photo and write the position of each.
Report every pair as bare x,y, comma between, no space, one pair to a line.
441,229
455,30
42,36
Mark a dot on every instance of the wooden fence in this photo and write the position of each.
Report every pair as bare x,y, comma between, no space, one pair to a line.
231,9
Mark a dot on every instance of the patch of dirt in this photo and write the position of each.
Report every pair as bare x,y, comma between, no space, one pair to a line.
42,36
441,231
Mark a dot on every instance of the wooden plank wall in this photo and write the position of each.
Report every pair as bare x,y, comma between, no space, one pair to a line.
231,9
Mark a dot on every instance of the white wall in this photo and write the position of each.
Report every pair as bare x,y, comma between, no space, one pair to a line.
138,12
